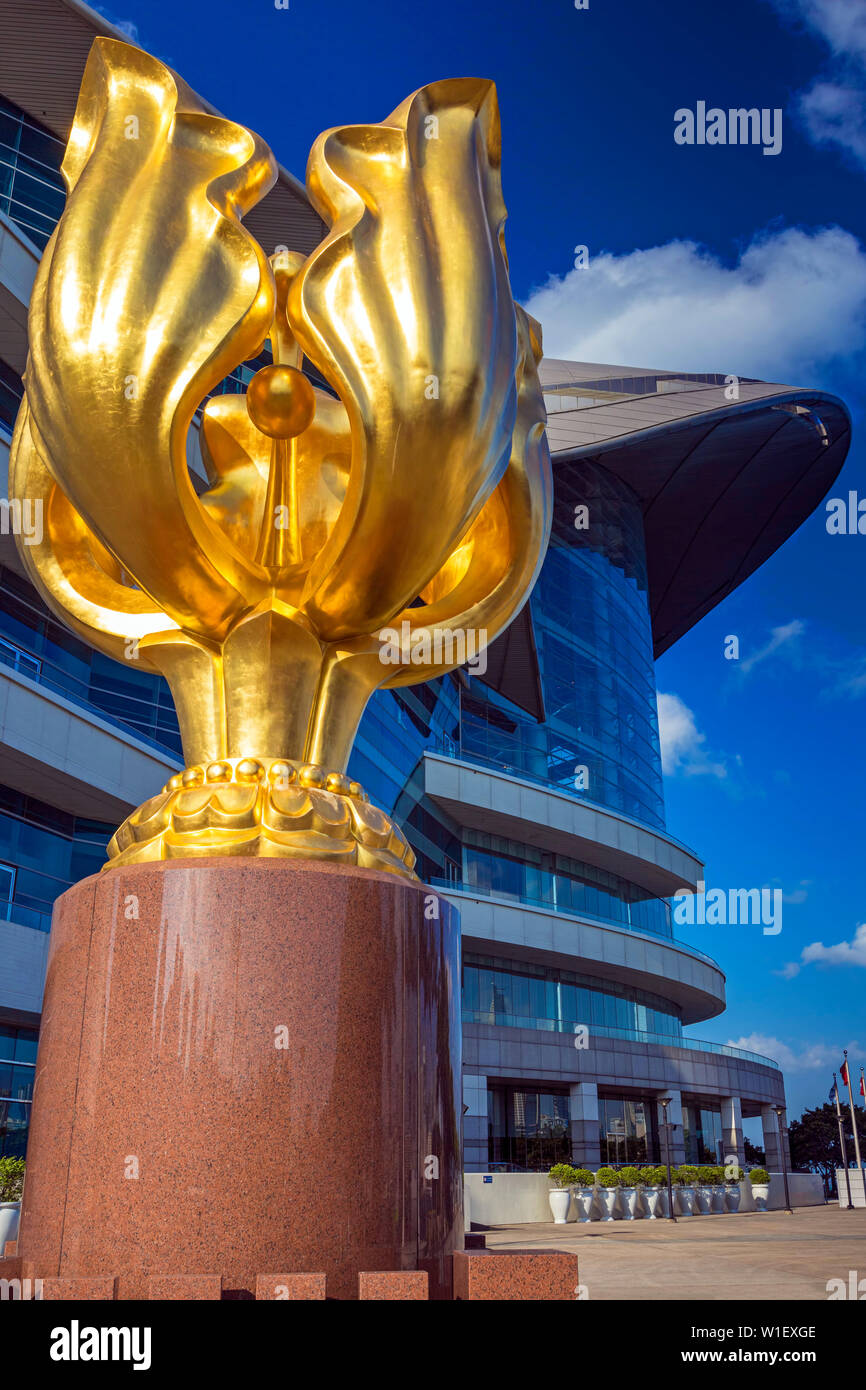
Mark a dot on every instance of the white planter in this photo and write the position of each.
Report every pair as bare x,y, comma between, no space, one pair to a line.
760,1192
704,1198
733,1195
665,1205
685,1200
559,1198
719,1196
608,1200
631,1203
656,1202
584,1201
9,1213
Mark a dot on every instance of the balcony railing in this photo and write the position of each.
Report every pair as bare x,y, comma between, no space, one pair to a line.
564,1025
448,747
139,715
28,916
454,886
32,190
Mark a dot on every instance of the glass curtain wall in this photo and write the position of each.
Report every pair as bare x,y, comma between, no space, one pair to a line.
17,1071
594,639
43,851
527,1129
32,191
626,1131
702,1133
524,995
507,869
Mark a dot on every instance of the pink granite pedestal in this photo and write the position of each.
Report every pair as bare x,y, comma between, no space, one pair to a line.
247,1065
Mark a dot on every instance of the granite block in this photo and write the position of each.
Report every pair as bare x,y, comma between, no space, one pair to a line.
523,1275
186,1287
57,1288
393,1285
290,1286
132,1286
10,1268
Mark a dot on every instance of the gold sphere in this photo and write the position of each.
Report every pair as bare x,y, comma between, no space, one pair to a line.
280,401
249,770
312,775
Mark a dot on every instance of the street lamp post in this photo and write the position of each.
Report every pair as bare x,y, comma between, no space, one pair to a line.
664,1102
779,1113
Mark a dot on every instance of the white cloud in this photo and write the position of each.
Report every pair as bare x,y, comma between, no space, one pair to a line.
798,895
793,303
836,115
682,743
834,110
840,23
809,1058
779,637
126,26
851,680
842,953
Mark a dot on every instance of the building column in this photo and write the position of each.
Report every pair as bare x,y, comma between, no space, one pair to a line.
770,1126
583,1124
475,1148
677,1138
732,1130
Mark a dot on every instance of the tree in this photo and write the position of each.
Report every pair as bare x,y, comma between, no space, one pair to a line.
753,1154
814,1140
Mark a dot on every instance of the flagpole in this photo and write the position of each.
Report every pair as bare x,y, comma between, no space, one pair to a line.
843,1144
853,1113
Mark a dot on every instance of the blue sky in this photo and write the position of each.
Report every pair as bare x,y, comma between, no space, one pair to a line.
701,258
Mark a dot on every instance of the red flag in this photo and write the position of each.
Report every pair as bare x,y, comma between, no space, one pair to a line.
843,1072
862,1085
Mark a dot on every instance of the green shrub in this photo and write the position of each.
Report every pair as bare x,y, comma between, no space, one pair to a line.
706,1175
662,1180
718,1174
607,1177
11,1179
583,1177
653,1176
562,1175
759,1175
630,1177
689,1174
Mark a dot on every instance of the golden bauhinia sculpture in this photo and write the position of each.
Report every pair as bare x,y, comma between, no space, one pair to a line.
416,499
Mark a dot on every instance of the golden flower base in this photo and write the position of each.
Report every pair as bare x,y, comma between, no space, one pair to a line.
271,807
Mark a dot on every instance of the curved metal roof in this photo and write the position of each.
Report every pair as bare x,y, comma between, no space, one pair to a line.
42,58
722,483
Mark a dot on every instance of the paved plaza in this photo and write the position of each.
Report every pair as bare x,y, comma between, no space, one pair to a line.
757,1255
